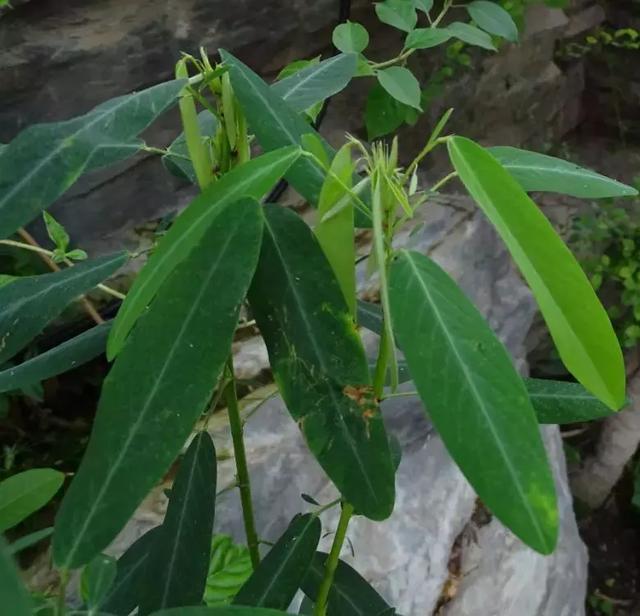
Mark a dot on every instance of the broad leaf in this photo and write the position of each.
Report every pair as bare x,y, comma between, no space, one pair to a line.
383,114
275,582
473,394
319,363
317,82
400,83
490,16
578,323
66,356
400,14
542,173
29,303
350,37
160,384
231,610
425,38
350,594
179,557
559,402
25,493
471,35
13,594
253,179
126,590
97,578
44,160
30,540
229,569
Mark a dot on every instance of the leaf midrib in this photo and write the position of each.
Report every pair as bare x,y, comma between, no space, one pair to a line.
320,69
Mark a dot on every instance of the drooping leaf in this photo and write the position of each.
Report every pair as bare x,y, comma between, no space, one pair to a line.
335,235
400,83
179,557
160,383
30,540
425,38
578,323
542,173
275,582
230,610
13,594
125,592
383,114
350,37
97,578
492,18
400,14
57,360
26,492
30,302
350,594
44,160
471,35
229,569
319,363
253,179
473,394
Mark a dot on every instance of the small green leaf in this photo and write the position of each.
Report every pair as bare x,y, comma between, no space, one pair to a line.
275,582
350,36
77,254
383,114
542,173
400,14
425,38
400,83
25,493
30,540
229,569
470,35
491,17
467,382
160,383
66,356
578,323
13,594
319,363
97,578
56,232
423,5
180,555
30,302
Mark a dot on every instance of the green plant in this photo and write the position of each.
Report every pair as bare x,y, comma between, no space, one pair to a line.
171,340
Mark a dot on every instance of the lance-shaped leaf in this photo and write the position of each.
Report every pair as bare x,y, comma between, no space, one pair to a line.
559,402
30,540
66,356
253,179
542,173
475,398
179,558
44,160
13,594
231,610
275,582
125,592
96,580
350,594
29,303
578,323
317,82
160,384
319,363
25,493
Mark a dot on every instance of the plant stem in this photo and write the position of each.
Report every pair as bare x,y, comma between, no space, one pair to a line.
61,607
242,471
332,561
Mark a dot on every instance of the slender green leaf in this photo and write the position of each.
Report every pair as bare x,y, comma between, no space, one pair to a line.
350,36
578,323
400,14
229,569
252,179
275,582
97,578
124,595
317,82
425,38
44,160
160,384
542,173
179,558
335,235
471,35
467,382
369,315
319,363
13,594
56,232
25,493
66,356
231,610
350,594
492,18
30,540
29,303
400,83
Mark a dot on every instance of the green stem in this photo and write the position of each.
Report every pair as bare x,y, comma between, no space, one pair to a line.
381,366
242,471
332,561
61,607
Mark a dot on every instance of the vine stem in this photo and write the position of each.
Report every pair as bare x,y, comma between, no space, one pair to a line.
242,471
